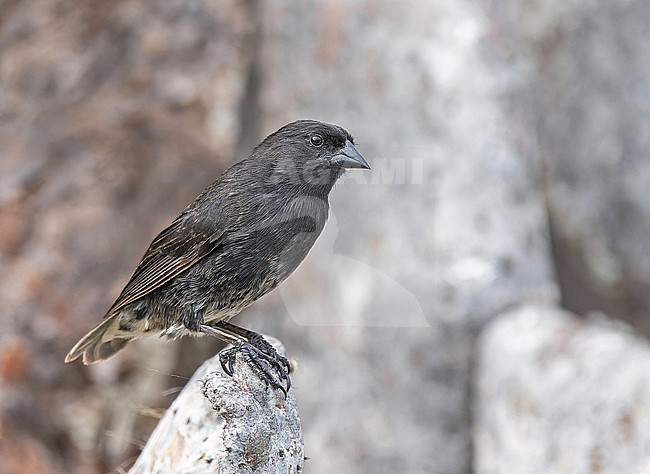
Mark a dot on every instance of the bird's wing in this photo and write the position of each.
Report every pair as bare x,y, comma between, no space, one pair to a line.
186,241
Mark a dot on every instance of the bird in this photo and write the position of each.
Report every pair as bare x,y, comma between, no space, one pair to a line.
238,240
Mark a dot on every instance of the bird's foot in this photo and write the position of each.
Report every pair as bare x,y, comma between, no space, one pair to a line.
262,357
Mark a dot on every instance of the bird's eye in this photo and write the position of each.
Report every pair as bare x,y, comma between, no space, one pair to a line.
316,140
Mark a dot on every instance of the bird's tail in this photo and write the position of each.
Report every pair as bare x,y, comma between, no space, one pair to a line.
98,344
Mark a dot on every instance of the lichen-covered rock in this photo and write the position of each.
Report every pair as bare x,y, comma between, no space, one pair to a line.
229,425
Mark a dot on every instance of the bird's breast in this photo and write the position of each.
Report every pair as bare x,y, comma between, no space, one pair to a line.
258,253
278,241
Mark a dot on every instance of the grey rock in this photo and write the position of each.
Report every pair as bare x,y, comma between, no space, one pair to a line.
557,394
229,425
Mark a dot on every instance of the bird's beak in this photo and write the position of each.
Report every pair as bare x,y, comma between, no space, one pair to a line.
349,157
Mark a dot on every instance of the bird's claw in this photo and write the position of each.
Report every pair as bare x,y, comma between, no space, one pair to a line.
265,361
227,360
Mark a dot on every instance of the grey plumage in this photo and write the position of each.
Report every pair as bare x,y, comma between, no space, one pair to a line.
238,240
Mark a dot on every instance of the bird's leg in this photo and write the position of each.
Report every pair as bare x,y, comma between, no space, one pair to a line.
221,335
260,355
193,320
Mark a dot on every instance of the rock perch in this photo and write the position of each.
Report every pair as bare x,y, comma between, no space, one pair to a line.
226,425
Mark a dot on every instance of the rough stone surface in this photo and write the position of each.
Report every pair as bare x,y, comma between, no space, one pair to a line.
229,425
189,436
559,394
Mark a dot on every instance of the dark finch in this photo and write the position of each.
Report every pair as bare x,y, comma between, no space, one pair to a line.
237,241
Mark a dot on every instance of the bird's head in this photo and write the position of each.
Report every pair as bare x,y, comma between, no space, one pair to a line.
309,154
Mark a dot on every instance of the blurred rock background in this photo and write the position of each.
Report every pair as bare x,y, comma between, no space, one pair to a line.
509,141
